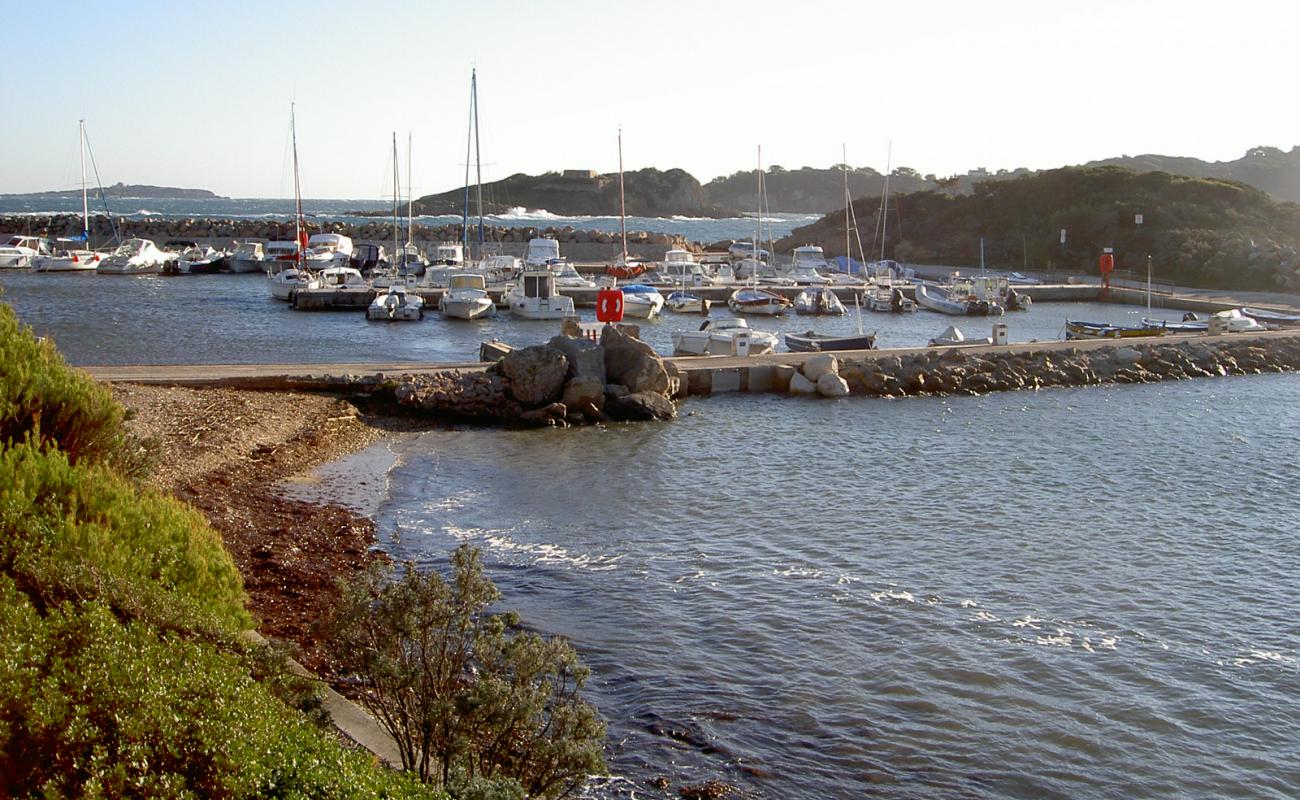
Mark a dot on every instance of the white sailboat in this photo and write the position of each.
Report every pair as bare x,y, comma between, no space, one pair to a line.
751,299
74,259
287,277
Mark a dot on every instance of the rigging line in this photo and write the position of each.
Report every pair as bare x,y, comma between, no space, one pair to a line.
102,199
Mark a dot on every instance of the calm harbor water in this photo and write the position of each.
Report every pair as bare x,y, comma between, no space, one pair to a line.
1070,593
232,319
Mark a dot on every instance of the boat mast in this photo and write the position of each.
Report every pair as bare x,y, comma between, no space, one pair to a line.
396,229
758,230
297,187
848,201
478,157
622,202
410,193
884,197
464,214
85,204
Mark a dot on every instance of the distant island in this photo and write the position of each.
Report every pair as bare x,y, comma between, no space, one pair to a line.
814,190
134,190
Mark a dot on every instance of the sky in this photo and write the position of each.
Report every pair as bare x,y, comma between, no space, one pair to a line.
198,95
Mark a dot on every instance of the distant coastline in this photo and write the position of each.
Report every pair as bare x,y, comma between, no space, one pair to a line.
132,190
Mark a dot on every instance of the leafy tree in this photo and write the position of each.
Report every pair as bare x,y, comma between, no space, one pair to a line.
469,699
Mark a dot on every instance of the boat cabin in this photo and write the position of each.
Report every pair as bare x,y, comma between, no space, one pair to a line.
282,251
467,280
541,251
36,244
538,283
447,254
810,255
366,257
330,242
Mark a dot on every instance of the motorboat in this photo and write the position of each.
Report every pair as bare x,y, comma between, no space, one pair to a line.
20,251
283,251
879,299
686,303
366,257
499,268
818,300
339,278
325,250
1190,323
938,298
806,268
725,336
753,300
409,260
682,269
133,257
641,301
541,251
248,257
1233,321
812,342
1275,318
953,337
201,259
396,304
467,298
756,271
566,277
286,277
739,251
1076,329
535,296
68,259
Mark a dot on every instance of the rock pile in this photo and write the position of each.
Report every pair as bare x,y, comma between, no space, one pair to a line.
957,371
566,381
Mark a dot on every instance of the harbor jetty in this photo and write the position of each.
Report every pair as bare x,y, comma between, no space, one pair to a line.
571,380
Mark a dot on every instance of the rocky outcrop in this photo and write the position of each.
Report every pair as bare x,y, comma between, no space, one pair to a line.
566,381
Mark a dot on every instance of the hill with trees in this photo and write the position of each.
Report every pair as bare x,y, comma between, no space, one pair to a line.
1198,231
1267,168
138,190
649,192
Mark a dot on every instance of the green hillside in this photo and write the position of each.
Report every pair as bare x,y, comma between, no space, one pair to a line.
649,192
1198,231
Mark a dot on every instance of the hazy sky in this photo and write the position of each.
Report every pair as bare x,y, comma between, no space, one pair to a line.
198,94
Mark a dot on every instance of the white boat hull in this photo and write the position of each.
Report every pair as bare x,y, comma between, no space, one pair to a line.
127,268
83,262
245,265
473,308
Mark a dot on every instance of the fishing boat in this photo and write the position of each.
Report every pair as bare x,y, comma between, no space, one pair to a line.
1268,317
813,342
819,300
396,304
133,257
1077,329
72,258
20,251
721,337
753,300
535,297
953,337
683,302
467,298
641,301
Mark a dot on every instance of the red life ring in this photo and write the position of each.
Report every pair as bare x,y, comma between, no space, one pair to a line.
609,305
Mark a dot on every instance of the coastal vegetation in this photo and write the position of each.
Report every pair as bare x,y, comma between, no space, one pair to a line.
135,190
1197,231
124,664
648,192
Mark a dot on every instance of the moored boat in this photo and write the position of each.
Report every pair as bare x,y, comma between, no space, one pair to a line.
818,300
953,337
641,301
248,257
535,297
813,342
21,251
752,300
686,303
1077,329
1268,317
722,337
396,304
466,297
133,257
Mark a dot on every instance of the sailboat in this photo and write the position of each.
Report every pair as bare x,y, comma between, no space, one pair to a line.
624,266
78,259
285,280
751,299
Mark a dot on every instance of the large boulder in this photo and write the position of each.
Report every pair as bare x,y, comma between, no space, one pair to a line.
632,363
801,385
536,374
586,358
583,393
816,366
832,385
640,406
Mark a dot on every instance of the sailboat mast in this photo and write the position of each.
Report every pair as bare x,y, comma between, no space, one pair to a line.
848,201
395,193
464,213
884,197
297,186
622,202
85,204
478,158
758,230
410,192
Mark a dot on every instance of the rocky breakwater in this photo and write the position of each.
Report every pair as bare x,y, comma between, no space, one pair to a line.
957,371
569,380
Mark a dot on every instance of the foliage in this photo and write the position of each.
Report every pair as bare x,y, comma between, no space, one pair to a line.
80,531
467,697
93,708
41,397
1199,232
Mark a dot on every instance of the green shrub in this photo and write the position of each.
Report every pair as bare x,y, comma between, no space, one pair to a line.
93,708
41,397
83,532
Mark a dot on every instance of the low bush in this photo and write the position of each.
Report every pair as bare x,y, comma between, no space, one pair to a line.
72,532
90,707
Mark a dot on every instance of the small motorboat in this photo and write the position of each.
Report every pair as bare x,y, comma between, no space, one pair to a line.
566,277
818,300
21,251
807,265
199,259
134,257
396,304
753,300
1275,318
1076,329
467,298
248,257
687,303
1189,324
285,278
723,337
811,342
939,298
641,301
535,296
1233,321
953,337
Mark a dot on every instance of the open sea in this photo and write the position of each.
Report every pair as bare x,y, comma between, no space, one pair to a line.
1072,593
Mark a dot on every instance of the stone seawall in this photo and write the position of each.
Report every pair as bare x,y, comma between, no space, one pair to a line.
577,245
